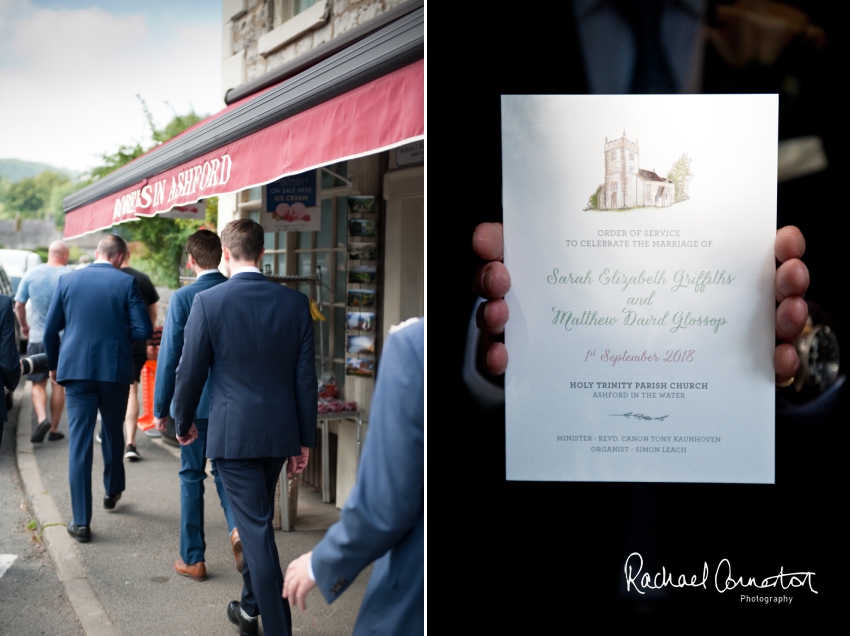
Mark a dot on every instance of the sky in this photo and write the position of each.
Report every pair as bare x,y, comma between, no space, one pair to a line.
70,71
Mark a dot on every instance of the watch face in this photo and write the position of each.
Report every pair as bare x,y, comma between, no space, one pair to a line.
824,359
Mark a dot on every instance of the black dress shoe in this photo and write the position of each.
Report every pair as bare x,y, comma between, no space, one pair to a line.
109,502
80,533
247,626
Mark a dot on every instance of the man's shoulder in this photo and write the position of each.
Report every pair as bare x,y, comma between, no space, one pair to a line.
36,273
233,287
206,284
135,273
33,272
411,332
88,275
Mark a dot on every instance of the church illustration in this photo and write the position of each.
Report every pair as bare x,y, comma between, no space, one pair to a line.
626,184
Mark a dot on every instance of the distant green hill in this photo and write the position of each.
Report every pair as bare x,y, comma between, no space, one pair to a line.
15,169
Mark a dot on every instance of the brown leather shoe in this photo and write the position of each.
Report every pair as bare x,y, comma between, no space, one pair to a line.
196,571
236,544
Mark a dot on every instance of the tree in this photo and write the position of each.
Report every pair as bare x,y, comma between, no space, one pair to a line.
111,162
31,197
680,175
164,238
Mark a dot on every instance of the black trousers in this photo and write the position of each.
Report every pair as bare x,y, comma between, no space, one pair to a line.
250,485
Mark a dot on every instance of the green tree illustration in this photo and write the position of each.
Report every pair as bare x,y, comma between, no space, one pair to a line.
593,199
680,174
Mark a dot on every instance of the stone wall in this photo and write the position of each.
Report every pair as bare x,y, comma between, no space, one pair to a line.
30,234
246,57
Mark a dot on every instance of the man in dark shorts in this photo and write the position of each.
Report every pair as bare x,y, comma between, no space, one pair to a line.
139,352
37,286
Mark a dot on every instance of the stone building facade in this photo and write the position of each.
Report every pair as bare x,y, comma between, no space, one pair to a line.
260,35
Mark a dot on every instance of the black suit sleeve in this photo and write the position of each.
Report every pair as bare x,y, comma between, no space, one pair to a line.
306,383
10,360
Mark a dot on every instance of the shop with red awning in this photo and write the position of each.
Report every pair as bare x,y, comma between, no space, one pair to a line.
362,100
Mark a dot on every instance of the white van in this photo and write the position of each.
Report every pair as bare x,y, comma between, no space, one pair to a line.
16,262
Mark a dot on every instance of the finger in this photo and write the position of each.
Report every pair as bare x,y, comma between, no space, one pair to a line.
791,318
786,363
792,279
789,243
492,316
487,241
491,280
496,359
301,593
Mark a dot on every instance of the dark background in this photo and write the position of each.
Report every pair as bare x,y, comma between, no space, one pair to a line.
554,548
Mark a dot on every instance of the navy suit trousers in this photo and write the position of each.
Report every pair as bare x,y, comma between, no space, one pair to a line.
84,398
193,461
250,485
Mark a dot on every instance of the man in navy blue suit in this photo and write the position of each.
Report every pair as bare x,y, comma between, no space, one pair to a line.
254,339
204,249
10,360
102,313
383,517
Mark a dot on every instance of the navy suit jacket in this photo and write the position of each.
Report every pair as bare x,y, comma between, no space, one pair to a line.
102,312
10,361
383,517
171,347
255,340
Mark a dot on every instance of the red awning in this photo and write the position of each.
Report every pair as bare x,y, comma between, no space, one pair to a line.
381,114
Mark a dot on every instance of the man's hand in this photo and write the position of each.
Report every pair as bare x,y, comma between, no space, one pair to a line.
159,422
492,281
296,581
298,463
792,280
191,436
25,332
53,376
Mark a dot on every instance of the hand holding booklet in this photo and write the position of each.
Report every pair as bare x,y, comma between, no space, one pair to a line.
639,234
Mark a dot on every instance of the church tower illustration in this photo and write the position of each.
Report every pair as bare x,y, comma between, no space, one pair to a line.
626,184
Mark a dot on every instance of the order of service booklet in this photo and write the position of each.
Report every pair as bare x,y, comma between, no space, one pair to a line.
639,236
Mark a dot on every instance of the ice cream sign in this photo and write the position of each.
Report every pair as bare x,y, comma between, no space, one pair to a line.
290,204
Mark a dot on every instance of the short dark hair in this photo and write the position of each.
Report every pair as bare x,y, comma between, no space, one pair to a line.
244,238
112,245
205,248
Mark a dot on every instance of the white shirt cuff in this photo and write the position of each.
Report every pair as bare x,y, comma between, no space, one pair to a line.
310,569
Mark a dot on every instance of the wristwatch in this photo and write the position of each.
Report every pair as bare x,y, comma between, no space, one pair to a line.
817,347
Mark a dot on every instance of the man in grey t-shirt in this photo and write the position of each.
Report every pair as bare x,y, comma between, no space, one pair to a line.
38,285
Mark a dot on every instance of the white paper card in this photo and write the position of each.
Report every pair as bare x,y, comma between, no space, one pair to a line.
639,236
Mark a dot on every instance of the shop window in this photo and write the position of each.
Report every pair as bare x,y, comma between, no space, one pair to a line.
326,249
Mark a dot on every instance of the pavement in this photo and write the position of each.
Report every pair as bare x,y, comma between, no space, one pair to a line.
123,581
32,599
